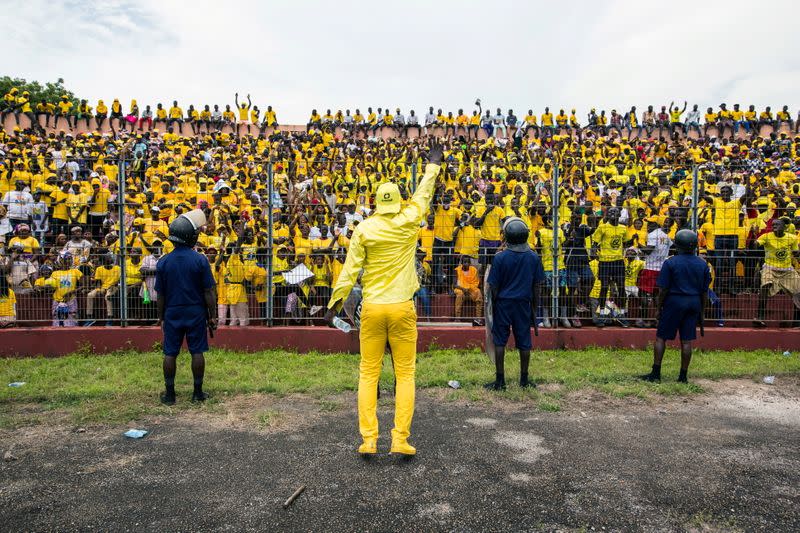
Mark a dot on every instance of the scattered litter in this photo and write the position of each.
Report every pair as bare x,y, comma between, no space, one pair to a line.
80,430
769,380
8,457
787,353
294,496
454,384
135,433
583,414
16,384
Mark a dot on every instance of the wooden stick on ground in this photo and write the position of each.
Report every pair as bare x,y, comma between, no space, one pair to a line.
294,496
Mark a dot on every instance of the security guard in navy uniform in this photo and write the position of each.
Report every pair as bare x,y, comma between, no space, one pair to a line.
187,302
514,278
682,291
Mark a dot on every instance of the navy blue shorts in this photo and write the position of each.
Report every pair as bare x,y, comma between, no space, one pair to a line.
185,322
512,315
680,314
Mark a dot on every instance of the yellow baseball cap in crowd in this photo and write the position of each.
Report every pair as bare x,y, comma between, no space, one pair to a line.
387,199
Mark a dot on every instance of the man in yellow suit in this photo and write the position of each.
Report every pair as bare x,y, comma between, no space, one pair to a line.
383,246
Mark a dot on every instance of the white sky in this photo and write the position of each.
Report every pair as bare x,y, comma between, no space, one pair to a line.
298,55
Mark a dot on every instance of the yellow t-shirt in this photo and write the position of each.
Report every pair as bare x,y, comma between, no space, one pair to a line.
610,240
632,269
100,202
778,250
108,277
546,243
8,304
444,223
65,282
133,273
30,243
322,274
425,237
258,278
490,229
726,216
467,241
60,199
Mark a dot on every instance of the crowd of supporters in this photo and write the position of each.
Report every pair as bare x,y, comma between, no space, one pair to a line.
624,187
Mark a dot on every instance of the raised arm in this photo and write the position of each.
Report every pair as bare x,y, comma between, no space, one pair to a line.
422,196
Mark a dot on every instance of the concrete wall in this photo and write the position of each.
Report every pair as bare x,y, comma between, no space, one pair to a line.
54,342
10,122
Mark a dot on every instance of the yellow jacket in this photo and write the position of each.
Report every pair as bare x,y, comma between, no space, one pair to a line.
385,246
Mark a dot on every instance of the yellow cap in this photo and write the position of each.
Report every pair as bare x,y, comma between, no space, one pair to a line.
387,199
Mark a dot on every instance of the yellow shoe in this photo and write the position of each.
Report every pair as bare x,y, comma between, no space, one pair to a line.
403,448
368,447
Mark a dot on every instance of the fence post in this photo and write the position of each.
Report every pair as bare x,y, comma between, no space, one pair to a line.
695,196
123,278
270,253
554,286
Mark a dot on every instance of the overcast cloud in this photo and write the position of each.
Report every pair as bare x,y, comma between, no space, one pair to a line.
300,55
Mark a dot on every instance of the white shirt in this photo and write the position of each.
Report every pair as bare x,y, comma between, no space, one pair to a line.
412,119
430,118
660,242
353,217
73,168
18,204
58,158
693,116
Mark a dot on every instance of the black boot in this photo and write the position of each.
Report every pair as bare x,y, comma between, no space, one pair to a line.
654,376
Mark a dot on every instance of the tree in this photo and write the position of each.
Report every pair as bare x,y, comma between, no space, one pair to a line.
49,92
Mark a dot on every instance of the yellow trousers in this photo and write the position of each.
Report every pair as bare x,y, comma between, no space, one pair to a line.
397,324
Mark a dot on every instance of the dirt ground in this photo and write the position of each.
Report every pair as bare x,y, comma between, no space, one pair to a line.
725,460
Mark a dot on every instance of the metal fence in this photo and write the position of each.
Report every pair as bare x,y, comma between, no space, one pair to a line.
614,229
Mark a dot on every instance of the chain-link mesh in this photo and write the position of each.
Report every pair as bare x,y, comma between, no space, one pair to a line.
282,207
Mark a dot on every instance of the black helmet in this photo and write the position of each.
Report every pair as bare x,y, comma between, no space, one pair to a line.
515,233
183,232
686,241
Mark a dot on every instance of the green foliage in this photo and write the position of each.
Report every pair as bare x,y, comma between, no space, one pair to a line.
49,92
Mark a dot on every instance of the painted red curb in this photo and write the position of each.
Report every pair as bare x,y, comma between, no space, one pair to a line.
55,342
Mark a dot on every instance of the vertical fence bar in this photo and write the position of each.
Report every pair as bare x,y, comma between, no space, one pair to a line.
695,196
554,286
413,177
270,253
123,245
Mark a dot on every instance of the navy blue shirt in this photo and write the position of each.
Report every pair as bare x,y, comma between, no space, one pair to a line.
514,274
684,274
182,277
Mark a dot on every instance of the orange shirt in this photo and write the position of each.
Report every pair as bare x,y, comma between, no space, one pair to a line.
468,279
